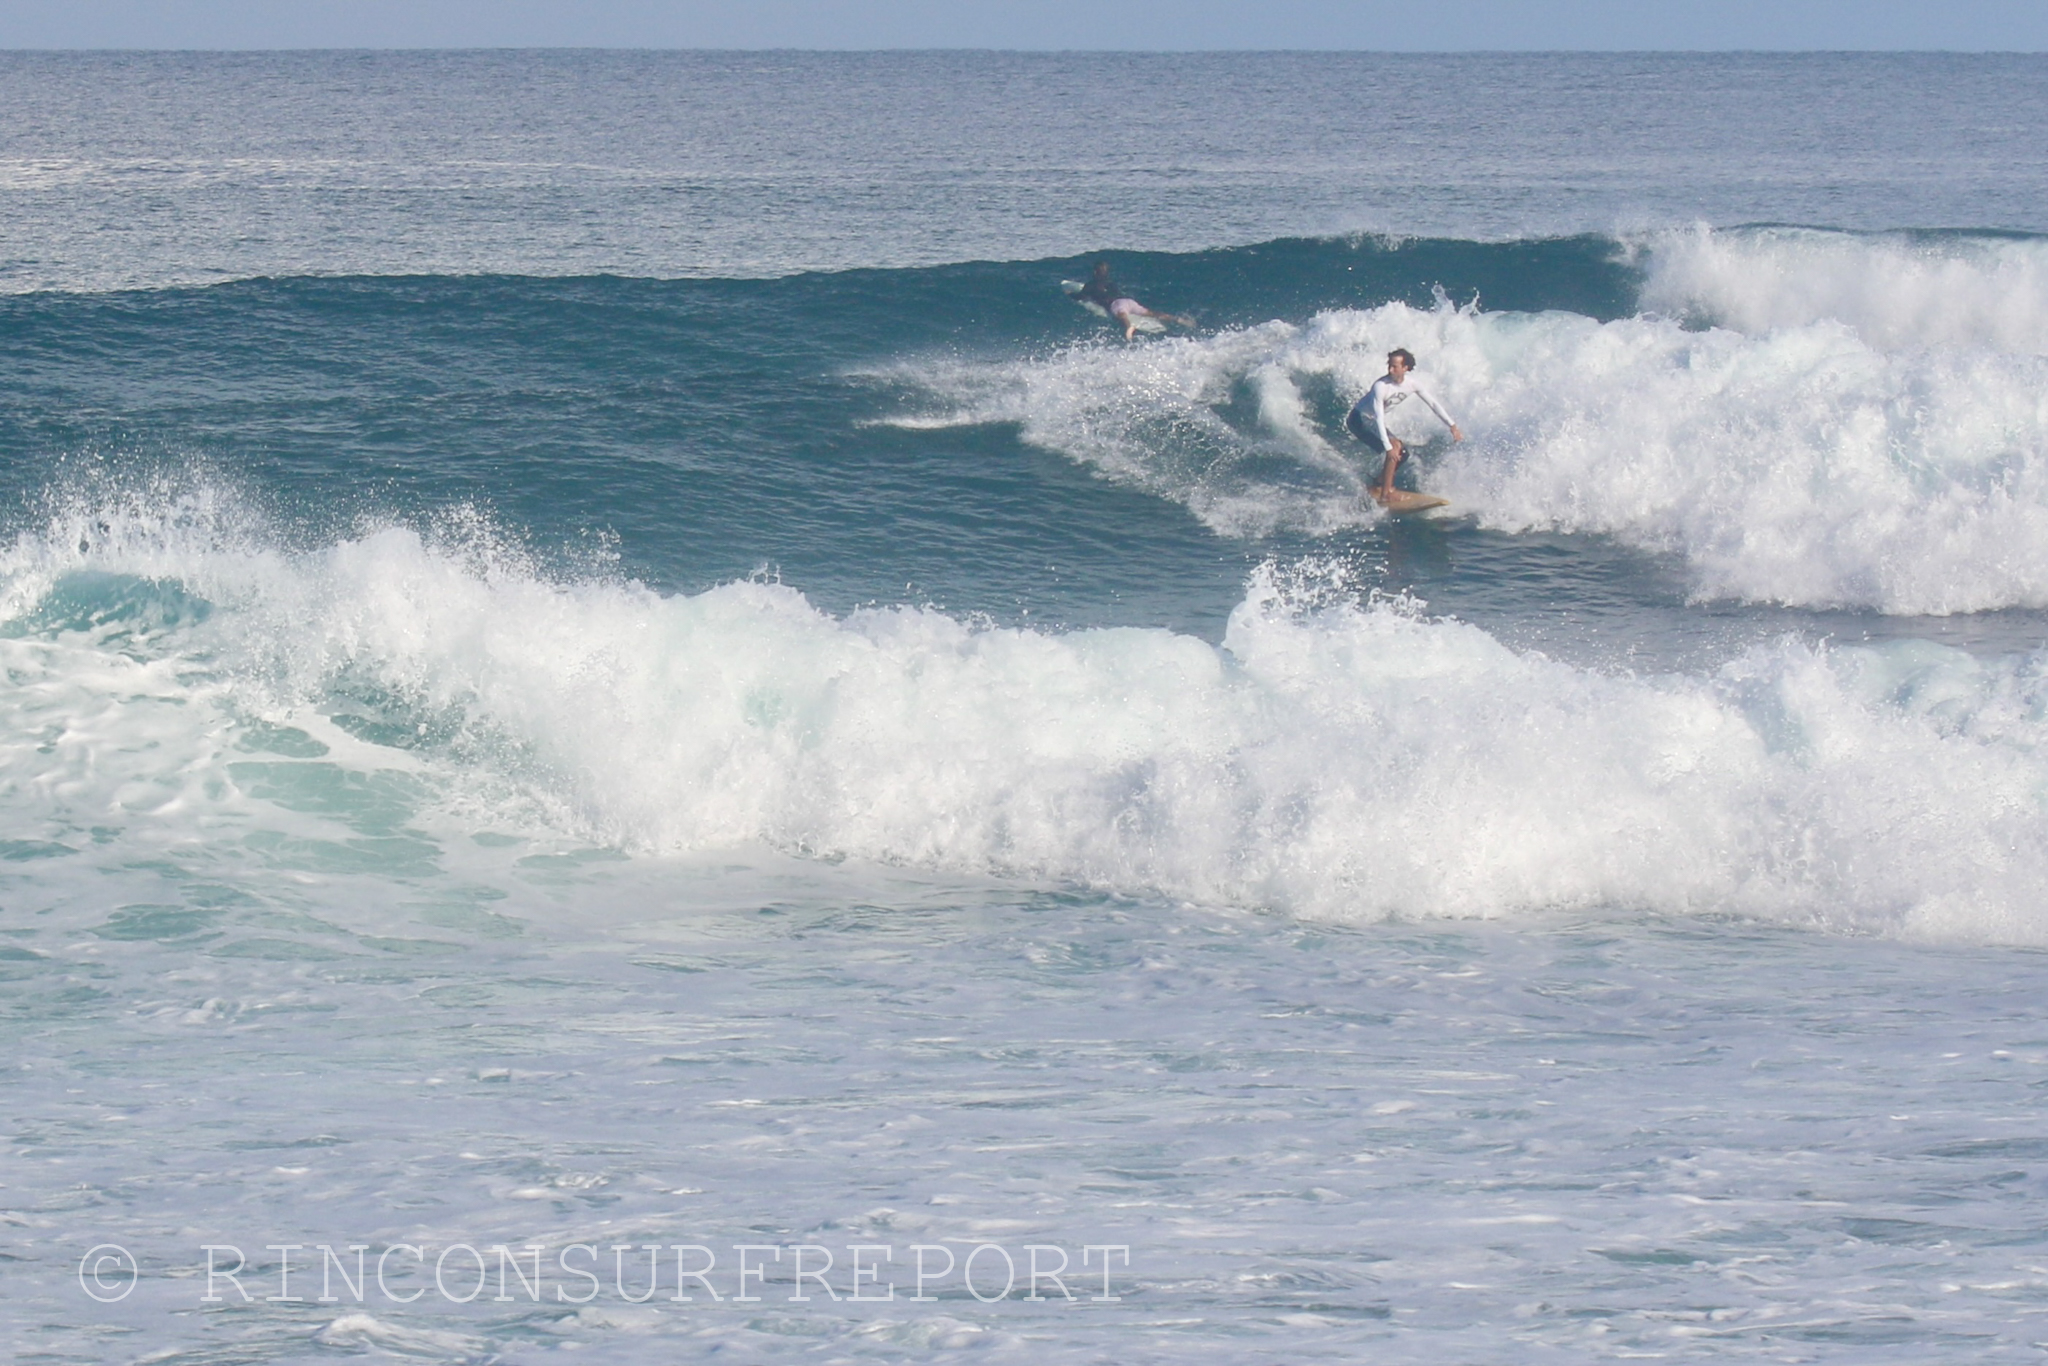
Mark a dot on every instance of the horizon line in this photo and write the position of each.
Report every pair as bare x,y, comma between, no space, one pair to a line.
1085,51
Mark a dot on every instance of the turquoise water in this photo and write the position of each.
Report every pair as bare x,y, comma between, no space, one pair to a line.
597,658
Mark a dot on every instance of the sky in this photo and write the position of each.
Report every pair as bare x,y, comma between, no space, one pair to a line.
1154,25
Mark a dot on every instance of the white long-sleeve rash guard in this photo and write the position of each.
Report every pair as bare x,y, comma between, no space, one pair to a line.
1386,394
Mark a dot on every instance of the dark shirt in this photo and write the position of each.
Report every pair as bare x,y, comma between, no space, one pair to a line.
1102,291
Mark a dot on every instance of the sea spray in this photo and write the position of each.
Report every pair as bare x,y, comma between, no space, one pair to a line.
1334,758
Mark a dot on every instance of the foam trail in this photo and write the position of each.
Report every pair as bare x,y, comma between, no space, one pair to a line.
1216,423
1332,759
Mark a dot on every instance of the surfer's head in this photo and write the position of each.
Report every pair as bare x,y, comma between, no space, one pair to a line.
1400,356
1102,270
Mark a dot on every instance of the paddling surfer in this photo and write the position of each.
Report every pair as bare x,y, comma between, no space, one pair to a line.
1368,418
1111,297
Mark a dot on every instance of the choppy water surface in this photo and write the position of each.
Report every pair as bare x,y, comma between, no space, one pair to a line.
1706,1140
141,169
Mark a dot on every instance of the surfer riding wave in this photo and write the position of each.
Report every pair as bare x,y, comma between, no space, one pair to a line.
1368,417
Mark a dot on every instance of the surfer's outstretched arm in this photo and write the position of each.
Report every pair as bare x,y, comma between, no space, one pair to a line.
1442,414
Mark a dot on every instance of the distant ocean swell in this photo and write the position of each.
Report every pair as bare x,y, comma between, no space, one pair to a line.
188,688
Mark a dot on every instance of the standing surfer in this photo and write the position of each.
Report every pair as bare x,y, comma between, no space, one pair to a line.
1368,418
1109,296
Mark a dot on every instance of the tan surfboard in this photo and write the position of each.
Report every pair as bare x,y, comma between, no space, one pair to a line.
1402,502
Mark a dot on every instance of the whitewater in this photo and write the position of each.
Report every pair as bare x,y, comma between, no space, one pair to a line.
1870,436
624,732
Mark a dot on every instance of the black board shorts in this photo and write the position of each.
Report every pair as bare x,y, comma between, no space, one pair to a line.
1360,426
1406,478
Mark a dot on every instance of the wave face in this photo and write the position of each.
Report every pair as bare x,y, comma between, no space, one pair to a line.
696,431
367,706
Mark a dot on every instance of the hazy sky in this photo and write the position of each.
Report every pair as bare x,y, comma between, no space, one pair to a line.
1412,25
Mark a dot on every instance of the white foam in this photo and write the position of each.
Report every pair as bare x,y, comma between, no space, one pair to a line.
360,1332
1149,416
1331,760
1803,466
1897,292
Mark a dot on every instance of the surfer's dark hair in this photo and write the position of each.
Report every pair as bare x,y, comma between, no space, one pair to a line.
1407,356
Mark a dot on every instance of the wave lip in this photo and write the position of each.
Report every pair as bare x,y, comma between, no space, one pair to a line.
1899,292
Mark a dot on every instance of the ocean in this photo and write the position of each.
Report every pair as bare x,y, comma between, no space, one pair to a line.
624,732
